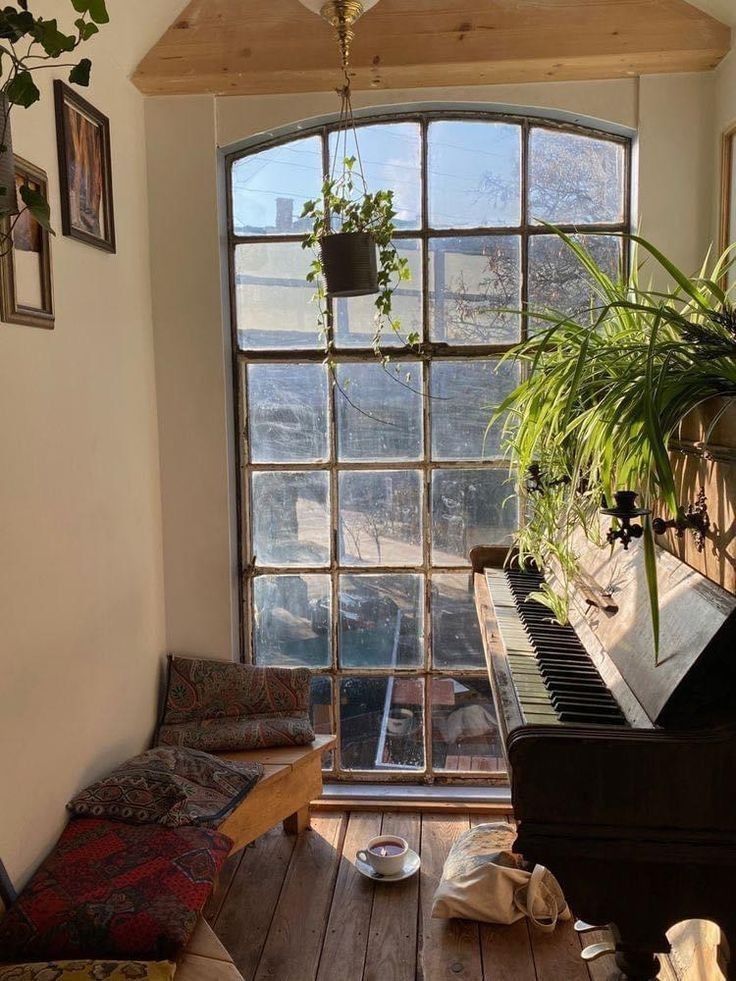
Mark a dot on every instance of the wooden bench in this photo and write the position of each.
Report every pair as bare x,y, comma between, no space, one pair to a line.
292,778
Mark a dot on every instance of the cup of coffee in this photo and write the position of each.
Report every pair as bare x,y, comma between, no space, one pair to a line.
385,854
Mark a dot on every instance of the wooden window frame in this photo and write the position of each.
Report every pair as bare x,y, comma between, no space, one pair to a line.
426,352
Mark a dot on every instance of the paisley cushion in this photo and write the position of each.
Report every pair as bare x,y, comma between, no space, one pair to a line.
117,891
231,735
169,786
223,706
89,971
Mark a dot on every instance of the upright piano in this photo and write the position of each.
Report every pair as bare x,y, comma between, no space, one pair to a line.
622,765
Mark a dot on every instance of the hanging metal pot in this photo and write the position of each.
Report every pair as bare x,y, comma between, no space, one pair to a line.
350,263
8,200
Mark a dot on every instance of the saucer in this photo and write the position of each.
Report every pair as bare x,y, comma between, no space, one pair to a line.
411,866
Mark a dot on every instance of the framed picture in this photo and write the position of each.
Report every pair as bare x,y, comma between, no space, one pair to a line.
728,198
26,289
85,170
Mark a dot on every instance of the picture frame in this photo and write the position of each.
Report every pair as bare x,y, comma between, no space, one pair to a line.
85,170
26,285
728,198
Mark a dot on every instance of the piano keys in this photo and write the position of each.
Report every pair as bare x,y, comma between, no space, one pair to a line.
622,770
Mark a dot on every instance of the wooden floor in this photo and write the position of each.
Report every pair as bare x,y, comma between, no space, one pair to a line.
293,909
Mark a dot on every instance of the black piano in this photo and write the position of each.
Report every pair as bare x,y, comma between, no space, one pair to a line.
622,770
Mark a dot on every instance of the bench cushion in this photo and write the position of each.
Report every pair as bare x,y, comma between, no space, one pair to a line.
83,970
170,786
113,890
232,735
220,706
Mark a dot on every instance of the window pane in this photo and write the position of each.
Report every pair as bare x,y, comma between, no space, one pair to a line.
355,316
288,413
464,730
382,723
379,411
322,713
390,154
470,281
574,178
469,507
270,188
292,620
464,395
474,175
381,621
290,514
273,300
380,518
557,280
456,640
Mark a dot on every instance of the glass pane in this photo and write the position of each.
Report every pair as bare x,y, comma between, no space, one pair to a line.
292,620
464,394
355,317
474,172
323,713
273,300
270,187
287,410
465,733
390,154
379,411
381,621
382,723
575,179
380,518
291,518
456,640
558,281
470,507
471,280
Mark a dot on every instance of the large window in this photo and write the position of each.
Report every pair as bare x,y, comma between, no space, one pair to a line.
363,491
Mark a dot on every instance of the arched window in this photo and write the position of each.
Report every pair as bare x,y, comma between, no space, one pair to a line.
360,500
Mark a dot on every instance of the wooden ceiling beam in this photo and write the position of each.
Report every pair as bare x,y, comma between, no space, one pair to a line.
249,47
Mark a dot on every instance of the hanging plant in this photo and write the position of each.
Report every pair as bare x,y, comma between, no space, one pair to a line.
28,44
604,396
359,257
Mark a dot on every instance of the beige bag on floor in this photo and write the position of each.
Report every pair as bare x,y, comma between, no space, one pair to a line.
484,880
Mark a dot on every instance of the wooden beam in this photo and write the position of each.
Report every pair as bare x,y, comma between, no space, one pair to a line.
249,47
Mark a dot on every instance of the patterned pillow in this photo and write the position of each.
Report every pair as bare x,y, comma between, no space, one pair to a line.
233,735
251,702
118,891
169,786
90,971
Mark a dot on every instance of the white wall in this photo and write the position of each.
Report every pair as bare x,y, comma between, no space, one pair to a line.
81,590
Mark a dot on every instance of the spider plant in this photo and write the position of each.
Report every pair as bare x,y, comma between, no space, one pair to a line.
604,394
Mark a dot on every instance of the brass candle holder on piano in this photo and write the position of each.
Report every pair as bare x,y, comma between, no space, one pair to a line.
694,517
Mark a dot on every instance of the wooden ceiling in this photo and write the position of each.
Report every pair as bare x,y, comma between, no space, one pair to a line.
246,47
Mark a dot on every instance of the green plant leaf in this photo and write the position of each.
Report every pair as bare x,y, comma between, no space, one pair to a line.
79,75
38,206
650,568
22,90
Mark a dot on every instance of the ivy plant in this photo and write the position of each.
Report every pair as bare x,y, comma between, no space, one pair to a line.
343,205
29,44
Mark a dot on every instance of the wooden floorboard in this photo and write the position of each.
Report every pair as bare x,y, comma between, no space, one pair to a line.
297,909
392,947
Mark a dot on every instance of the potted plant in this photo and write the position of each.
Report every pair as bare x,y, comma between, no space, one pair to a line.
27,44
605,395
354,253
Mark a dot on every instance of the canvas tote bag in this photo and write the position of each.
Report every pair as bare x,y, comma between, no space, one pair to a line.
484,880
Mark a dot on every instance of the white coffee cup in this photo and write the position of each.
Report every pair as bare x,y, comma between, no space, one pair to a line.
386,854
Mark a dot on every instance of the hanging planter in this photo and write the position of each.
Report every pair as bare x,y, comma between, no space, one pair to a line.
350,263
352,228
